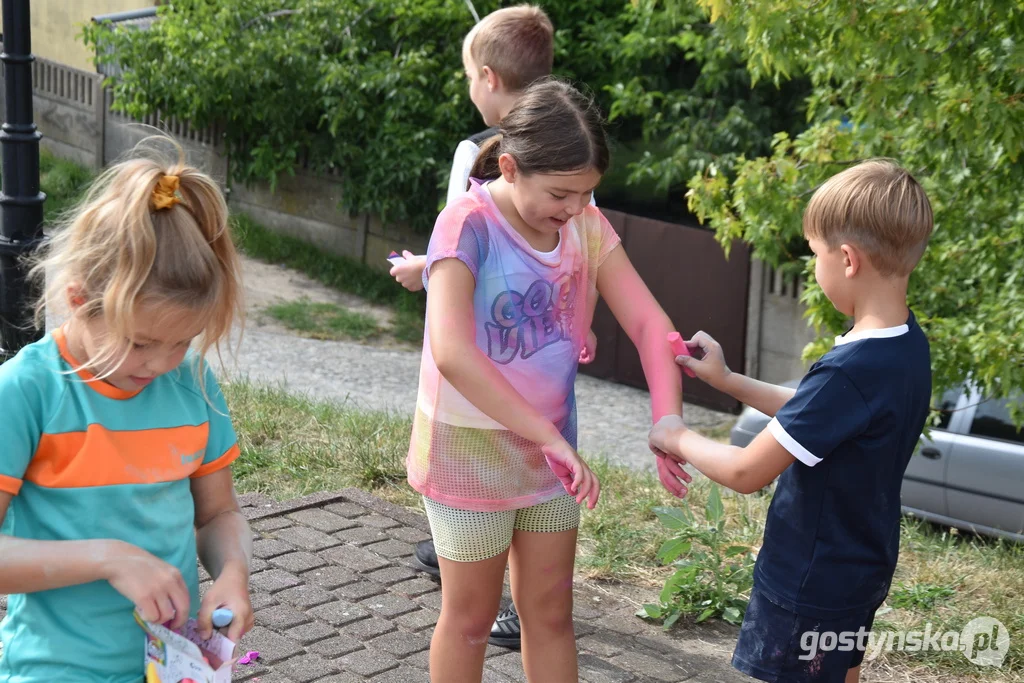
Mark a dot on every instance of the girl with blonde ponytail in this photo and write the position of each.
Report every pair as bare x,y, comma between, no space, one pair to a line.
115,473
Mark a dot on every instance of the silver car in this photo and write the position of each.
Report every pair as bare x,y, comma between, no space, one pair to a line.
969,474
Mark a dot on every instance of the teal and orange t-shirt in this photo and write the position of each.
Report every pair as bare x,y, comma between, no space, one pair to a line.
85,460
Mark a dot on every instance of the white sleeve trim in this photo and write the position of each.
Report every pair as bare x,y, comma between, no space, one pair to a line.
465,154
791,444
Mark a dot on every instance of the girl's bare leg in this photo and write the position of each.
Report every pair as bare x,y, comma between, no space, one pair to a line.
541,576
470,596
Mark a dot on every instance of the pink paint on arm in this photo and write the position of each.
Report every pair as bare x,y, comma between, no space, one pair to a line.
675,340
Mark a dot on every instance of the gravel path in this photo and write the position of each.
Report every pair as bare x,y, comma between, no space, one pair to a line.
613,418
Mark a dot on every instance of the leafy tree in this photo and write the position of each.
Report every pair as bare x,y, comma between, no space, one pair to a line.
373,90
938,86
376,90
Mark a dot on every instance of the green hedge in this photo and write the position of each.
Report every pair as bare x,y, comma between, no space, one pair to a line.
376,90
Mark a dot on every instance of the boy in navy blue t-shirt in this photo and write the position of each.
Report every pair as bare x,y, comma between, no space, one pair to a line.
841,442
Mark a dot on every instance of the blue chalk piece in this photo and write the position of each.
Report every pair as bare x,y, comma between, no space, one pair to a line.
222,617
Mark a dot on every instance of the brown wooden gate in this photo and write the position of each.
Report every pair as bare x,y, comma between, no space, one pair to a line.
700,289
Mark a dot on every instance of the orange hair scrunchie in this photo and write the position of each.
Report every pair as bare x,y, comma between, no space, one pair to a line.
163,193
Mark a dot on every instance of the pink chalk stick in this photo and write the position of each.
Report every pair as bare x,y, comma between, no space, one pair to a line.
675,340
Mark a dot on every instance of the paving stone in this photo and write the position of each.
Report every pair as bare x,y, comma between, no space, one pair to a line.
339,612
270,524
629,627
260,600
492,676
272,647
304,538
280,617
203,574
418,620
605,644
330,577
257,565
306,668
338,646
312,632
414,588
430,600
596,670
273,580
359,591
400,644
357,559
391,549
368,628
378,521
510,665
348,510
391,575
343,677
273,677
420,660
409,535
361,536
390,606
298,562
651,667
304,596
249,672
321,520
494,651
368,663
403,674
266,548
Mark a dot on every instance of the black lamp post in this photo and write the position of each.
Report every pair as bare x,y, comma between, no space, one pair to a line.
21,202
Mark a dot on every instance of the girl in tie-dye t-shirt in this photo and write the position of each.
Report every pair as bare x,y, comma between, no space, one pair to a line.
514,269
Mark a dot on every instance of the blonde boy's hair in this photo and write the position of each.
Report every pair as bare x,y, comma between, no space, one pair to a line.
517,43
118,252
877,206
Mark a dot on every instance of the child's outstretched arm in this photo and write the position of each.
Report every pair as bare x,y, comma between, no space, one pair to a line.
155,587
744,470
648,327
224,545
709,365
452,333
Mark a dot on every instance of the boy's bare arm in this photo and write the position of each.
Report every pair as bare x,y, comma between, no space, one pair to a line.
709,365
745,470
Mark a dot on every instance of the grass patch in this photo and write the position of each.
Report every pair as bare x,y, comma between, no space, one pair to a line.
339,272
64,183
292,446
324,320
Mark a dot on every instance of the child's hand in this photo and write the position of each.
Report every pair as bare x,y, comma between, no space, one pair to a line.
230,590
589,352
574,474
410,273
670,470
155,587
707,360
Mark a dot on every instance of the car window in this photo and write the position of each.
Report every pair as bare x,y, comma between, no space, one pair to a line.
946,408
992,421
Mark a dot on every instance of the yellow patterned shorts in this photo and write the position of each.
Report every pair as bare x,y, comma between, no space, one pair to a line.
469,536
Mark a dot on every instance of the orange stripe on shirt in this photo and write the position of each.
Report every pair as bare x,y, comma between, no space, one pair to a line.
102,457
9,485
220,463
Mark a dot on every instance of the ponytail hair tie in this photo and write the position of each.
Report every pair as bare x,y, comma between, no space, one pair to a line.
163,194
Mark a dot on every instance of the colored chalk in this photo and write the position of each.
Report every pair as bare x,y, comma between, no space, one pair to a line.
249,657
222,617
675,340
395,258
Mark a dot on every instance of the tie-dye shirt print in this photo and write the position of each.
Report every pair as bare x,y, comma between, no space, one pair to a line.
532,313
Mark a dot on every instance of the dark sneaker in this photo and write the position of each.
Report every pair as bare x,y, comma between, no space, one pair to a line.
425,558
506,632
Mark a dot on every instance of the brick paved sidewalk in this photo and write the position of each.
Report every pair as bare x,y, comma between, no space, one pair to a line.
338,602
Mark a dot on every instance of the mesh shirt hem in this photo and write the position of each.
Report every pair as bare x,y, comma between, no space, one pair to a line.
487,505
457,254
